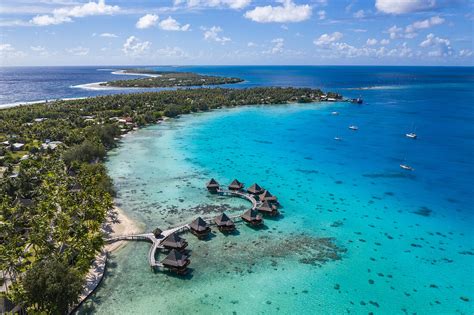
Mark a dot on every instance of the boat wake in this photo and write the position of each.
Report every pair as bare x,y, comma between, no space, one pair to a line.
379,87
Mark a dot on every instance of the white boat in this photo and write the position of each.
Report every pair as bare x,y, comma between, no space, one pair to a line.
338,138
335,113
353,127
411,135
407,167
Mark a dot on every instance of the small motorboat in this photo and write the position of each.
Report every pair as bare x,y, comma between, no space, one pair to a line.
411,135
406,167
335,113
353,128
338,138
357,100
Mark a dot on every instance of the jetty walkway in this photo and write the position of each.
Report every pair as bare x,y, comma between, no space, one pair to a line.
156,242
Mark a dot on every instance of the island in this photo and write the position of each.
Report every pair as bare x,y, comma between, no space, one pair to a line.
55,193
165,79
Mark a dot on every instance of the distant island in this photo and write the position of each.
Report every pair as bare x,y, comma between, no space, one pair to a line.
163,79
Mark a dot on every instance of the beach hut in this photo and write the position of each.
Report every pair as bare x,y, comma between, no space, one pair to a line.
255,189
252,217
267,196
268,208
199,228
176,261
224,223
212,186
236,185
173,241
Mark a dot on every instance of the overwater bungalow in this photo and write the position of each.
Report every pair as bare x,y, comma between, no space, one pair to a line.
252,217
268,208
213,186
236,185
200,228
173,241
255,189
224,223
176,262
267,196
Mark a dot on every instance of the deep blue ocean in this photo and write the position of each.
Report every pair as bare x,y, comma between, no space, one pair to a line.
407,235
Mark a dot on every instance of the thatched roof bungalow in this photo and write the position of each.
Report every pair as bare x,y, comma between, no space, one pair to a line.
268,208
174,241
176,261
212,186
267,196
252,217
236,185
200,228
255,189
224,223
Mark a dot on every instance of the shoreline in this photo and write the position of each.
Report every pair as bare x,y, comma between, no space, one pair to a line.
119,223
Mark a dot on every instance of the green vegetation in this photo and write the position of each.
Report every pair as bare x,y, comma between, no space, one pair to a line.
170,79
53,204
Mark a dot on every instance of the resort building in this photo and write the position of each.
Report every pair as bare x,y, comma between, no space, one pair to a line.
173,241
236,185
200,228
17,146
268,208
255,189
267,196
224,223
176,262
252,217
212,186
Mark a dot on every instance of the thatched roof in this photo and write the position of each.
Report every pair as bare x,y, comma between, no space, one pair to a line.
173,240
213,184
175,259
198,225
266,207
255,189
223,220
266,195
236,184
251,215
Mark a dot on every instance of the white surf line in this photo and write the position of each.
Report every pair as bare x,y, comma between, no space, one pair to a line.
9,105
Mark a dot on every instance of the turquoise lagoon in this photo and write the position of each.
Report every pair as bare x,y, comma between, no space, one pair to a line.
358,234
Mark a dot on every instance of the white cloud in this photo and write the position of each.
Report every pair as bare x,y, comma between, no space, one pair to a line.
404,6
7,51
171,24
171,52
394,32
78,51
251,44
287,12
37,48
233,4
146,21
109,35
359,14
442,46
418,25
278,44
465,53
66,14
371,42
327,39
134,47
212,34
322,14
384,42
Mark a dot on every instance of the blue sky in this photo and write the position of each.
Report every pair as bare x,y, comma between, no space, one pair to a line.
334,32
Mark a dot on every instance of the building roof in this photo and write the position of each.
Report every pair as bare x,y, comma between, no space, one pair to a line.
251,215
236,184
212,184
266,195
173,240
25,202
175,259
199,225
223,220
255,189
266,207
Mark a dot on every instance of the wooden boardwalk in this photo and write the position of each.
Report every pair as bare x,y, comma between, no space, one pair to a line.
156,242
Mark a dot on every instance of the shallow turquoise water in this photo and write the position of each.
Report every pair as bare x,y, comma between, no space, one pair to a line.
353,191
